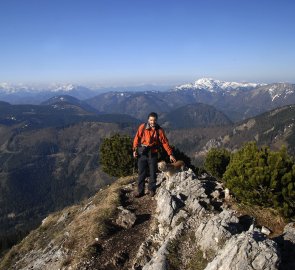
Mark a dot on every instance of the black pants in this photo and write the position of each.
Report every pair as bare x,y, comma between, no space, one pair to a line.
146,162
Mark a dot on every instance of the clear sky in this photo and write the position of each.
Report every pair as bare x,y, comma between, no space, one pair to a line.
117,42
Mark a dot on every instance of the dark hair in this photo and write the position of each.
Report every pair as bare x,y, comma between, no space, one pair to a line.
153,114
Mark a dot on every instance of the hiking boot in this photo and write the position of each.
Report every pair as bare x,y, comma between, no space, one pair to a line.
152,193
138,194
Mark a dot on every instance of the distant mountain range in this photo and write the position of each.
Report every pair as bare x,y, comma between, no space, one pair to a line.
32,94
22,94
237,100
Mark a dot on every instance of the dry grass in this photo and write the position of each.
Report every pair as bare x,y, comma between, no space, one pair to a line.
267,217
77,231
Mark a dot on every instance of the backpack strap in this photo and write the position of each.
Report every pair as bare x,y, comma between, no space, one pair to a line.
142,131
158,136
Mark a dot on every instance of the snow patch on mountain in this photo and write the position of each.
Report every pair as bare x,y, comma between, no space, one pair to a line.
212,85
63,87
281,91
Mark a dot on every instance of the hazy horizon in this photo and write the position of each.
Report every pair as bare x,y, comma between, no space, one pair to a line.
97,86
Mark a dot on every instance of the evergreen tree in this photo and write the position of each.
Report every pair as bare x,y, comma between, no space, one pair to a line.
263,177
116,155
216,161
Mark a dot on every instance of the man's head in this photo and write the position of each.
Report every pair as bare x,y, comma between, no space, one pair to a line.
152,119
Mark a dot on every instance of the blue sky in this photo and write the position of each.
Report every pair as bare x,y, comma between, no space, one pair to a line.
121,42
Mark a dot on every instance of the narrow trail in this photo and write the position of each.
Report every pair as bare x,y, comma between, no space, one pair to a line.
120,247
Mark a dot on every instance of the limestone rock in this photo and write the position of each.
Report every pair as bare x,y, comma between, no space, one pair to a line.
287,244
226,194
216,230
289,232
187,203
215,194
265,230
125,219
248,250
166,207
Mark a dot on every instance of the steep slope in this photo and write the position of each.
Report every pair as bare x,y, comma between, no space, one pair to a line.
274,128
79,235
45,170
187,225
49,158
194,115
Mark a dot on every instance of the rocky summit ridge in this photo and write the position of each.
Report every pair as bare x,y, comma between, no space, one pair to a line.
187,225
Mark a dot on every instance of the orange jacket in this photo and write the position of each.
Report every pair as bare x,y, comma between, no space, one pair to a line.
149,138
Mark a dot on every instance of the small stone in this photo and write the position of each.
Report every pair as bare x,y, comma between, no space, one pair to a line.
226,194
215,194
265,230
126,219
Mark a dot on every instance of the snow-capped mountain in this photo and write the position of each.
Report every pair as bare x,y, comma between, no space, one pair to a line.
212,85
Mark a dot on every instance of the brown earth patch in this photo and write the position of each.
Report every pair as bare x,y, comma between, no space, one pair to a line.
120,246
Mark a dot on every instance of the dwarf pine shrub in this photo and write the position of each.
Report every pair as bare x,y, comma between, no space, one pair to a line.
262,177
116,155
216,161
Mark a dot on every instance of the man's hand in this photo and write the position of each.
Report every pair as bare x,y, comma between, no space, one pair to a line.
135,154
172,158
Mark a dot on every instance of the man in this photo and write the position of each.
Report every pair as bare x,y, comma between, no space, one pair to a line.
146,144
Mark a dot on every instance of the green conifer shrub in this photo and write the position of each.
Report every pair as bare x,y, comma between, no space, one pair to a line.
262,177
216,161
116,155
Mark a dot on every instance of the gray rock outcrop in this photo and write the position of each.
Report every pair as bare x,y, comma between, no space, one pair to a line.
191,208
248,250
